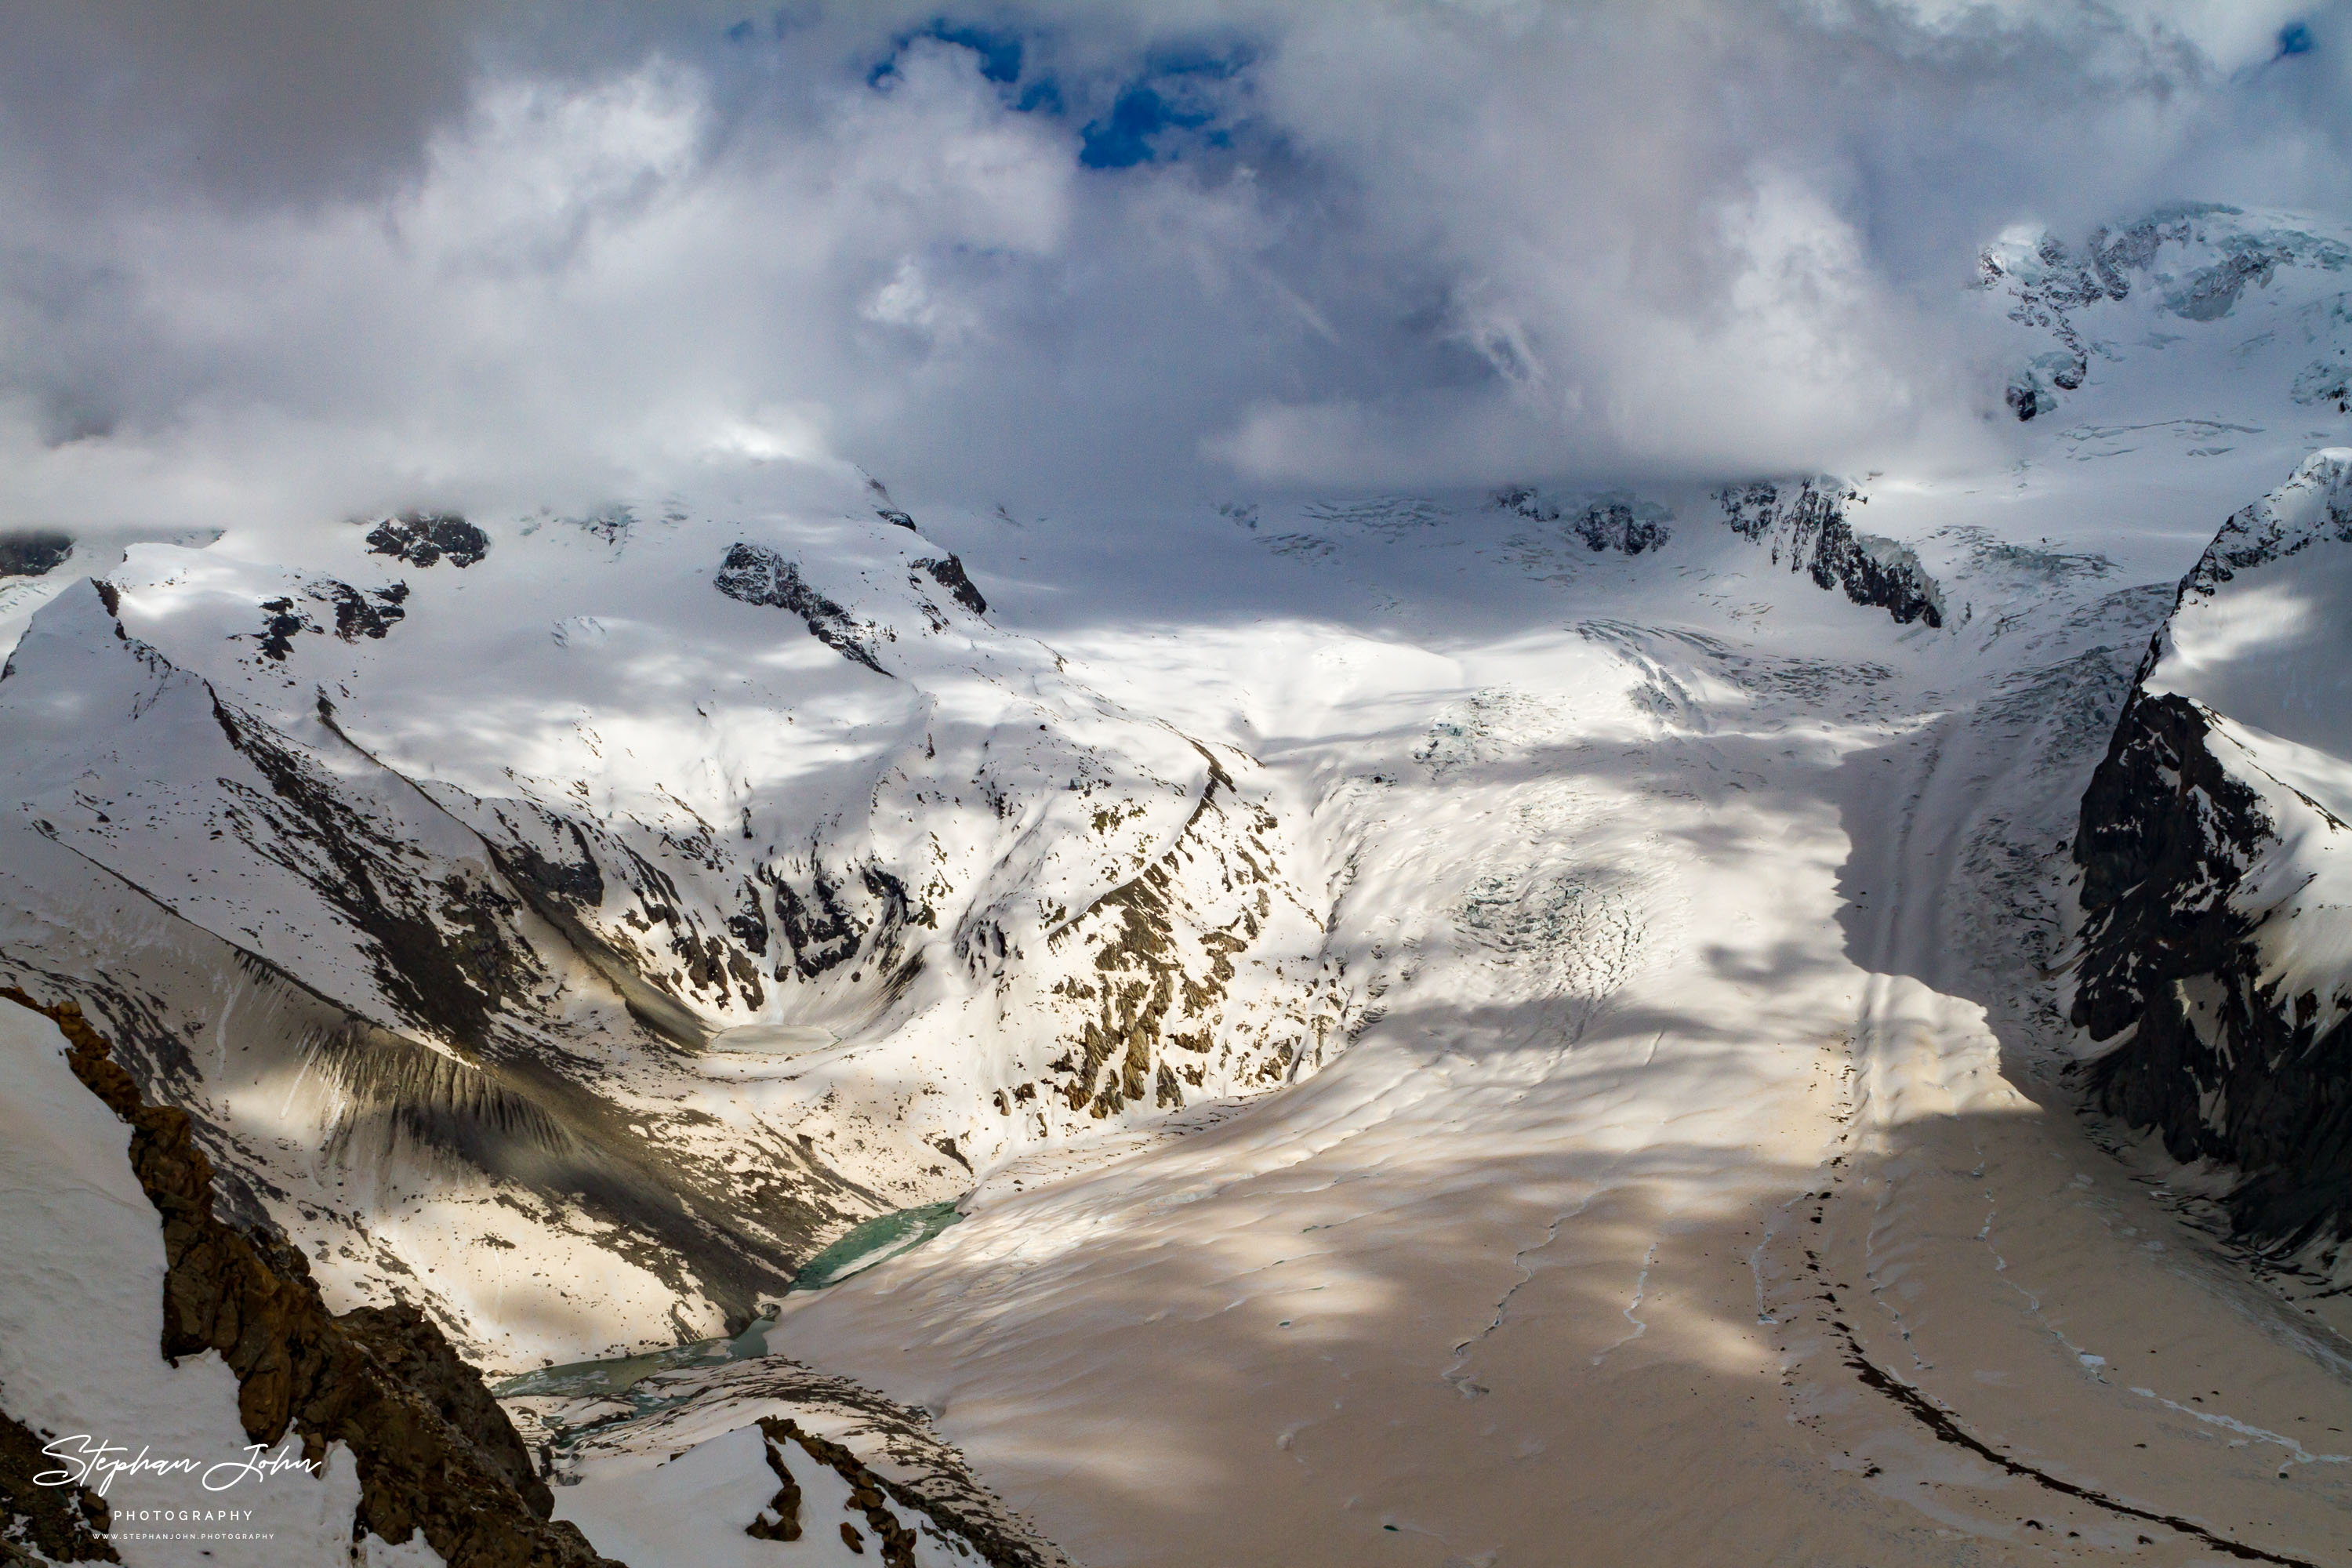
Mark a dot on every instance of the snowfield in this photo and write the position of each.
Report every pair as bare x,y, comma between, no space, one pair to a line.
81,1307
1489,1028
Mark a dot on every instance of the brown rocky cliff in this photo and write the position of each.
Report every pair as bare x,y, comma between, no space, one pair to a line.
45,1524
434,1453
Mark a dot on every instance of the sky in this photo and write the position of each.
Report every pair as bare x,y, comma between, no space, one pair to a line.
269,257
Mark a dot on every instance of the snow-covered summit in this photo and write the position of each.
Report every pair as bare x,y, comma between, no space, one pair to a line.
2192,282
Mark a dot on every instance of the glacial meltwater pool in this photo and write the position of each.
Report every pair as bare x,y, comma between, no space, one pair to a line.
861,1247
884,1236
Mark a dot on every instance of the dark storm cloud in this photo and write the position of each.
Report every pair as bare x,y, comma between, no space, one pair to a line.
235,101
308,259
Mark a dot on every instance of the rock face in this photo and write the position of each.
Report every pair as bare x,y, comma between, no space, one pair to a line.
1804,526
758,576
422,539
436,1454
30,554
2217,872
949,573
1618,522
2194,263
61,1524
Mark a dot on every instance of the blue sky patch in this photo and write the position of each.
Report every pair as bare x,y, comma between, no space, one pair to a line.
1000,53
1178,91
1123,138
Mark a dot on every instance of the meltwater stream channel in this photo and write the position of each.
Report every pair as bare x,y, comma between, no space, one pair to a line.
614,1386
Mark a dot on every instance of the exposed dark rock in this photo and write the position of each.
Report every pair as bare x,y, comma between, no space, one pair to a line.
62,1525
2177,827
1149,995
2055,281
613,526
282,624
781,1520
359,615
1615,522
445,956
2222,1065
2034,390
1525,500
888,510
758,576
412,1348
1807,531
889,1454
433,1450
949,573
1616,525
422,539
33,553
2211,292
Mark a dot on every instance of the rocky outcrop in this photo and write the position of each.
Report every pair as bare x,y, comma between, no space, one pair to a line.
1805,527
2200,257
903,1483
33,553
410,1346
2216,945
2221,1058
1611,523
434,1453
61,1524
949,573
422,539
1160,971
356,615
758,576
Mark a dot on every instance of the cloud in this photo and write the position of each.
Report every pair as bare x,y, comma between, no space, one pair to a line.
301,261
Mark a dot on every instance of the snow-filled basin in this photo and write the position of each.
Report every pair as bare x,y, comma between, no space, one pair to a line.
775,1039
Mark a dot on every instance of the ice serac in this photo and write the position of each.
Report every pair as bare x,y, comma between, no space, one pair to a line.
2216,864
1803,524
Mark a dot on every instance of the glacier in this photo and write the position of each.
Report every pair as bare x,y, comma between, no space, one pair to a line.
1442,1017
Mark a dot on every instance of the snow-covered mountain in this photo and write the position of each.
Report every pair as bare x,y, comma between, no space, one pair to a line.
1429,1012
597,914
2160,284
2216,854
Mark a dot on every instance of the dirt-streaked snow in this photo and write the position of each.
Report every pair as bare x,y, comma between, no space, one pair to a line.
1633,1127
